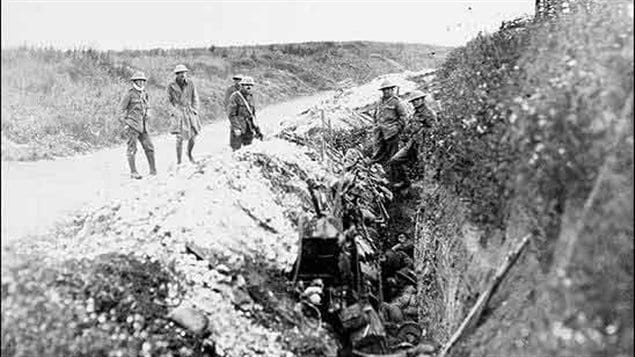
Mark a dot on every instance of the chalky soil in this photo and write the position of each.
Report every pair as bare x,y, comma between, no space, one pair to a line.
238,209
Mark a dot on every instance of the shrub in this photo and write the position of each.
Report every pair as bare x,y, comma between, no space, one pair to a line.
532,108
537,118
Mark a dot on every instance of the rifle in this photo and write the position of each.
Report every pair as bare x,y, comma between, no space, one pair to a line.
402,152
250,121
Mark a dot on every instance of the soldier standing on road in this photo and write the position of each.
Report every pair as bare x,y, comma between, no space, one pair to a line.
234,87
184,119
422,120
241,112
390,116
134,109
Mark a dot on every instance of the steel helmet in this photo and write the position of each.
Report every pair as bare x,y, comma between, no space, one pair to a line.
138,75
416,94
387,84
180,68
238,77
247,81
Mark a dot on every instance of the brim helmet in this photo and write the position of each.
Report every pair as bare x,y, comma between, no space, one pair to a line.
180,68
138,76
247,81
416,94
387,84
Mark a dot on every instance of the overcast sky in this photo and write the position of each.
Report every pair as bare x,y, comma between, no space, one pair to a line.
146,24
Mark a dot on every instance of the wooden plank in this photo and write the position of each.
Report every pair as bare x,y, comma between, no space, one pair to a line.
198,252
260,222
472,318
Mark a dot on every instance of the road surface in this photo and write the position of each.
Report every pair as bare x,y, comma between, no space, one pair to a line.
36,195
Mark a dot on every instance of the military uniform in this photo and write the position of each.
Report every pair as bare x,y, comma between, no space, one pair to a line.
184,103
134,108
390,116
228,92
415,134
239,115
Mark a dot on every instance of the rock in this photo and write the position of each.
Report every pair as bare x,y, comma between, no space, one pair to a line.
223,269
239,281
270,255
189,318
424,348
242,299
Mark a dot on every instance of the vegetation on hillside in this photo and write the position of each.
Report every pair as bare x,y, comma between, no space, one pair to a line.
537,123
63,102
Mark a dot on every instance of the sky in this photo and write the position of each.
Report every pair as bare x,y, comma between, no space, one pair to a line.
118,24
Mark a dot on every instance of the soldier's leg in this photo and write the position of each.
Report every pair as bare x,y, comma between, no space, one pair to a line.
400,161
391,148
380,152
247,138
190,147
131,150
235,141
179,148
148,148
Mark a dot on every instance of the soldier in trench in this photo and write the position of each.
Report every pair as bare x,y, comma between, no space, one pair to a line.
415,131
390,117
184,119
134,117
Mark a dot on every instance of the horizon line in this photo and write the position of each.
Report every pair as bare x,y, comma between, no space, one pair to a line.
93,47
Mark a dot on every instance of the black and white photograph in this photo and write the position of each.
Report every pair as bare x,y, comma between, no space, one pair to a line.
277,178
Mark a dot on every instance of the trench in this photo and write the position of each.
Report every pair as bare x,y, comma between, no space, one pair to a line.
290,300
354,274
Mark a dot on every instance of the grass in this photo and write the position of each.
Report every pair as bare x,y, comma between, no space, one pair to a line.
536,136
57,103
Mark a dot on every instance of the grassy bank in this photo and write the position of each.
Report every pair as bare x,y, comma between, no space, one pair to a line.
57,103
536,137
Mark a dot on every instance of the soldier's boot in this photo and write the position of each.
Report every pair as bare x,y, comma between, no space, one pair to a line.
179,152
151,162
398,176
190,147
133,168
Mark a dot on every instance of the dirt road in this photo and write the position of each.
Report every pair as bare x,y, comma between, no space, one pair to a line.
36,195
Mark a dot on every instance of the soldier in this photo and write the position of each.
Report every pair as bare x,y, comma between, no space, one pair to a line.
390,116
234,87
134,110
184,103
422,120
241,112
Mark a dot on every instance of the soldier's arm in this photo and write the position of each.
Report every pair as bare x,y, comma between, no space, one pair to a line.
433,114
253,111
123,107
147,105
228,93
373,111
171,98
172,108
401,112
195,100
226,101
232,112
